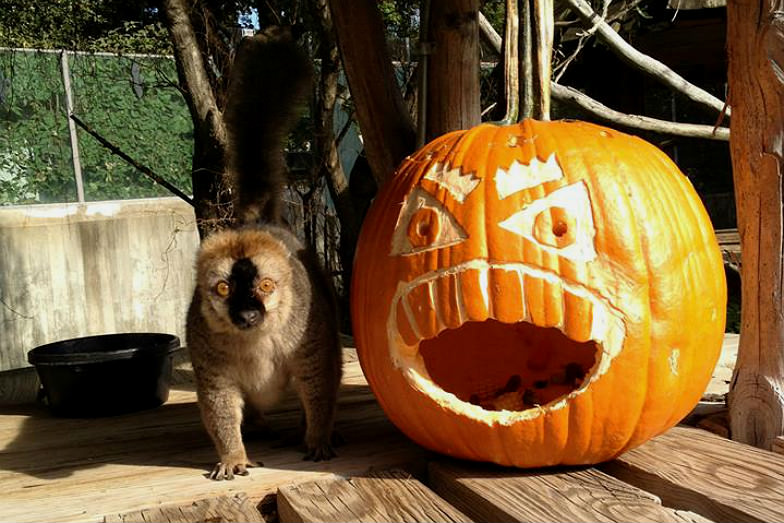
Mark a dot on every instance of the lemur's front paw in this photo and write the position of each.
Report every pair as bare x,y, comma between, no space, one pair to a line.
228,467
320,452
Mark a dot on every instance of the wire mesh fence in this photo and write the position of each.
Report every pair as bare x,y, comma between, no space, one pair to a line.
132,100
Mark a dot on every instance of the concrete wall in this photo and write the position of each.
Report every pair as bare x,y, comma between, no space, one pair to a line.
69,270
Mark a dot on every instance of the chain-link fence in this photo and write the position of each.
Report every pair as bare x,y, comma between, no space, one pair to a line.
131,100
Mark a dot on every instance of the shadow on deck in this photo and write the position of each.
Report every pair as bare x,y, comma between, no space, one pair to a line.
151,466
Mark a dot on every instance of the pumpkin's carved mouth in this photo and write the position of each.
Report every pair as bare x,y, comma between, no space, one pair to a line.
529,344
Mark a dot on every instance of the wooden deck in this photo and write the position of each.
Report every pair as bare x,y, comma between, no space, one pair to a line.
729,244
151,466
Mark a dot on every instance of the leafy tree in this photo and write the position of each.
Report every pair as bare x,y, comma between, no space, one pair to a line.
132,101
87,25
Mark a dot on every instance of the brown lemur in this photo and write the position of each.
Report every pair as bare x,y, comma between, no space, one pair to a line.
263,314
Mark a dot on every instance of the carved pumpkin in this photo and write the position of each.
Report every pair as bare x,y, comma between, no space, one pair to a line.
537,294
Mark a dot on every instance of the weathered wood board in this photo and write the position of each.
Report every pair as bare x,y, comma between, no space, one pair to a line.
151,466
393,496
721,479
56,469
215,510
778,445
488,493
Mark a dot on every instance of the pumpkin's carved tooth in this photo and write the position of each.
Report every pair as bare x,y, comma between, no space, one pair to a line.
610,330
432,288
578,313
421,303
534,300
461,308
474,283
508,301
554,304
447,292
406,326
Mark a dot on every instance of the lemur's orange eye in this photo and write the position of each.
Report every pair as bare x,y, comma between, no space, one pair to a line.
222,289
267,285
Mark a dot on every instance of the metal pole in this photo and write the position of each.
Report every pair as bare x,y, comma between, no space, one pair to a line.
423,50
69,106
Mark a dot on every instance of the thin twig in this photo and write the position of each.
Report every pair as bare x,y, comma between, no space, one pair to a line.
142,168
642,62
575,97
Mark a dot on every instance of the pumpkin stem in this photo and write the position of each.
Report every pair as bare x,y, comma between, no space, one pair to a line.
536,50
511,64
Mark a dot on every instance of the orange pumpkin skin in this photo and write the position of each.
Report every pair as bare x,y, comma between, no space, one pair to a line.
490,248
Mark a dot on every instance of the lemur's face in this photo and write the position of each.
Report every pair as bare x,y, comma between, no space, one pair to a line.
244,278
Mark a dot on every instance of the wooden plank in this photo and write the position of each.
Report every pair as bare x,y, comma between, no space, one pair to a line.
88,468
391,495
213,510
719,478
728,237
717,423
778,445
488,493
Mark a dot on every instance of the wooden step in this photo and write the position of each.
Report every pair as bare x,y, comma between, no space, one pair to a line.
721,479
488,493
213,510
391,495
778,445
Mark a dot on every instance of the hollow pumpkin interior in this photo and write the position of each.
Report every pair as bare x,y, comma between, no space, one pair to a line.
501,366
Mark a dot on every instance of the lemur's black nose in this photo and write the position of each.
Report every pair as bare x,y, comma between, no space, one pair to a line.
251,317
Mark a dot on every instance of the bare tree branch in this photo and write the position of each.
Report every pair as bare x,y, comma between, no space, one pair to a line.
211,194
387,130
575,97
325,135
585,102
186,47
489,34
642,62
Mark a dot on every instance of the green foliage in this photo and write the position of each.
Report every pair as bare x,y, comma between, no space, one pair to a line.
134,37
401,17
132,102
35,154
88,25
495,12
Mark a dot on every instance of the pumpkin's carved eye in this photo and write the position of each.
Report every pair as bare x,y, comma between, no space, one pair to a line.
424,224
561,222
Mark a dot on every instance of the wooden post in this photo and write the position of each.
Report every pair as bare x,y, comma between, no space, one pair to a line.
387,130
453,67
755,40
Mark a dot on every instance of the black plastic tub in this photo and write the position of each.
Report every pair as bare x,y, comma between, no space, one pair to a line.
107,374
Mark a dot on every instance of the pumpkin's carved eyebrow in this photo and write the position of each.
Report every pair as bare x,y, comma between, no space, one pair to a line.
457,183
520,176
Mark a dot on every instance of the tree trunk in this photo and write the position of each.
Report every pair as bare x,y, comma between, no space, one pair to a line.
755,39
387,130
453,67
329,160
211,197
